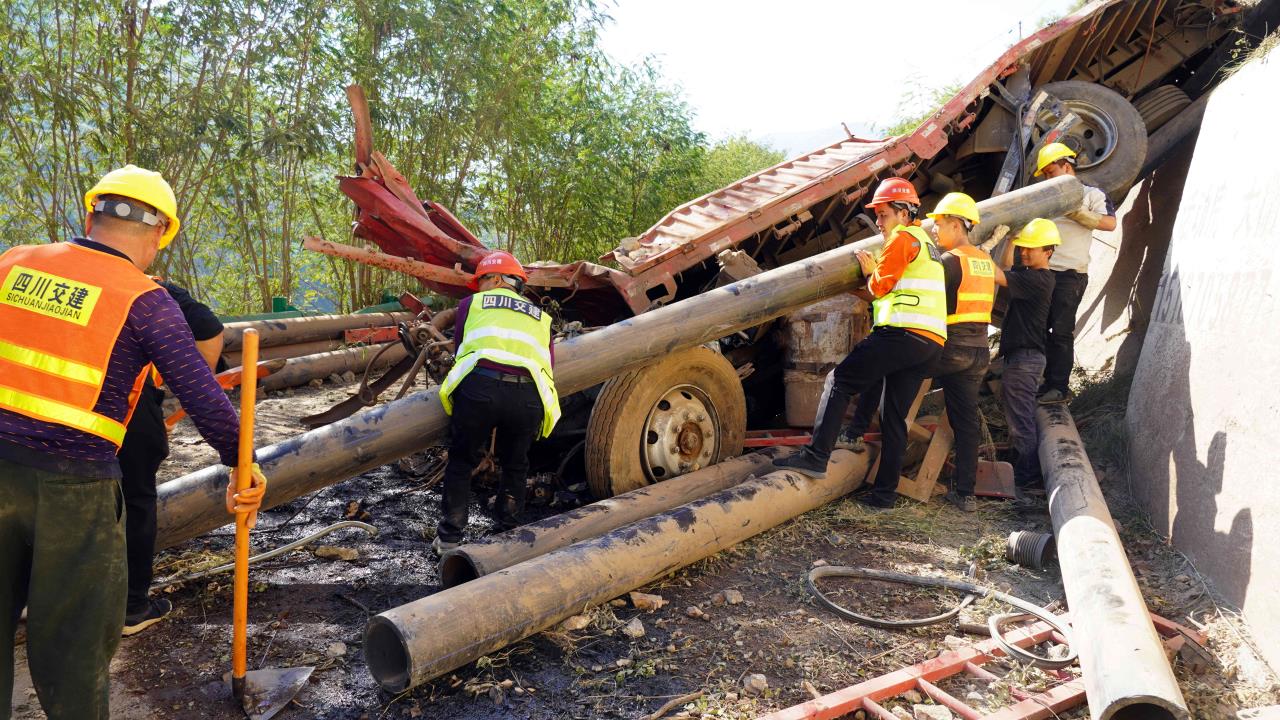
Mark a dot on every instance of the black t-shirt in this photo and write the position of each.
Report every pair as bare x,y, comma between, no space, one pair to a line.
204,324
1027,319
969,334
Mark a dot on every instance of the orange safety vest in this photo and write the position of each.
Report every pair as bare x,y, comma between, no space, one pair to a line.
62,308
977,291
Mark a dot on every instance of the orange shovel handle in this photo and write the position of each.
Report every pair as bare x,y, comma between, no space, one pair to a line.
244,478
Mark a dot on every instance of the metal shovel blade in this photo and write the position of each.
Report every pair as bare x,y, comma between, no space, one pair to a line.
267,691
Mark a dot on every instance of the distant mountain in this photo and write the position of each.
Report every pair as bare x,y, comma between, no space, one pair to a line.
799,142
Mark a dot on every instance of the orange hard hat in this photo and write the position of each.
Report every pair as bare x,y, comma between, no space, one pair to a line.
497,263
895,189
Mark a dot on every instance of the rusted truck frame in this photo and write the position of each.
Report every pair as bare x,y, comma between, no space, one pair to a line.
1073,80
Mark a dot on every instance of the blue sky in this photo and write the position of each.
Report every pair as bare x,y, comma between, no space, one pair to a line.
789,73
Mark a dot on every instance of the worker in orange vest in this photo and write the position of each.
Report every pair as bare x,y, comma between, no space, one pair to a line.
971,280
80,326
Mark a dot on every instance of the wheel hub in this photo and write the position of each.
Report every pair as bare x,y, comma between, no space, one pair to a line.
1093,138
680,434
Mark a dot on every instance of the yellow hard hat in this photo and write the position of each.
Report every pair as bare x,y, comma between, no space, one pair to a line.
1052,153
146,186
958,204
1038,233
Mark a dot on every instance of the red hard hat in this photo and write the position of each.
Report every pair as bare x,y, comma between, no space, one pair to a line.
497,263
895,189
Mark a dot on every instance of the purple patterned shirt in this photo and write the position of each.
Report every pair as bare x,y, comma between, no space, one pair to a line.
156,332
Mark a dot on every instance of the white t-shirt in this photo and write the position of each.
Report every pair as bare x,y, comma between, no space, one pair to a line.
1073,254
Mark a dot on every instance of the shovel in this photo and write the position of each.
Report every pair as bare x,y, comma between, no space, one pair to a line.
264,692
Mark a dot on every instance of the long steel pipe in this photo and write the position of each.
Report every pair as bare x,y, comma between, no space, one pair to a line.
289,351
193,504
291,331
301,370
493,553
421,640
1125,671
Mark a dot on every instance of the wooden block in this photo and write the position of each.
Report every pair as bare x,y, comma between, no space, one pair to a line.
934,458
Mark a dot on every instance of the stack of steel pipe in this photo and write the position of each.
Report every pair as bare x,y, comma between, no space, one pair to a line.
314,345
411,644
194,504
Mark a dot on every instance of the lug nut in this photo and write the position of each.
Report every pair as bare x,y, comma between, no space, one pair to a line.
702,417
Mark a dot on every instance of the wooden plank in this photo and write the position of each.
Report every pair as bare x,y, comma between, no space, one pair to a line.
911,418
921,486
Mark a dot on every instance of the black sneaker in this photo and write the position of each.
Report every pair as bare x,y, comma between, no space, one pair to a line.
157,610
440,546
967,503
874,503
801,463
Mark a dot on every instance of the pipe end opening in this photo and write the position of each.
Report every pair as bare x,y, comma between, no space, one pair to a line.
1147,710
386,654
457,568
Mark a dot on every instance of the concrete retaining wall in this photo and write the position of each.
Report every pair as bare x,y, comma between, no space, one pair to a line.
1205,405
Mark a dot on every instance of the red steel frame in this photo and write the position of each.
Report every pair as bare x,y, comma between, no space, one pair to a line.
869,695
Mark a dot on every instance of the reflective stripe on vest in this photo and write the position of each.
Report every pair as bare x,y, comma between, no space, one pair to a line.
505,328
977,292
918,299
62,308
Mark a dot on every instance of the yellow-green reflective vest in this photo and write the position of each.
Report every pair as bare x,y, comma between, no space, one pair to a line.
919,299
505,328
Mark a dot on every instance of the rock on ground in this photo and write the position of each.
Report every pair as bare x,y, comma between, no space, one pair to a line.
931,712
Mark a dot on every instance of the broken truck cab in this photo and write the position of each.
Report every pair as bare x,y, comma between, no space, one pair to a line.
1101,80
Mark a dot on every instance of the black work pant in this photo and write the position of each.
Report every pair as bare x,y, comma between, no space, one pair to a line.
61,555
899,358
482,404
959,371
1060,336
146,445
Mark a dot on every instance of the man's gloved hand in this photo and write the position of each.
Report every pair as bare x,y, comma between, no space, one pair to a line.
1086,218
996,236
249,499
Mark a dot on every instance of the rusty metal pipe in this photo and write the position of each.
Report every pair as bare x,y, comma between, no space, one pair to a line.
302,370
291,331
411,644
1125,671
289,351
193,504
493,553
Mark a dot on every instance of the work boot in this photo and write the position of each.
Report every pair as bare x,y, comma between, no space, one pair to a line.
875,505
156,610
804,464
967,503
440,546
1054,397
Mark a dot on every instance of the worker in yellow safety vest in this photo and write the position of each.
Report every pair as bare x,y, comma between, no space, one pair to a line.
971,281
81,325
907,290
502,379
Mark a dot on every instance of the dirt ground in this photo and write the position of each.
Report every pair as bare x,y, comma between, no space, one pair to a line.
311,610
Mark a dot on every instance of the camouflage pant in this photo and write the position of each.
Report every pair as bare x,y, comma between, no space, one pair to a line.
61,555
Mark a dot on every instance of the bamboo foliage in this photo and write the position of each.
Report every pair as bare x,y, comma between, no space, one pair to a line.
506,111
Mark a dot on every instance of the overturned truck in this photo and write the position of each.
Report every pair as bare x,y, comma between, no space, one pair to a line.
1107,80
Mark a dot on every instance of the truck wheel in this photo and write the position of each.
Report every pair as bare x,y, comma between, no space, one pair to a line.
1111,138
680,414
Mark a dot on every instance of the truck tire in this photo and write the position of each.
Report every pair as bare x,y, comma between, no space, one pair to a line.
1161,105
1111,139
680,414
